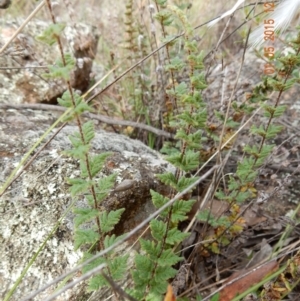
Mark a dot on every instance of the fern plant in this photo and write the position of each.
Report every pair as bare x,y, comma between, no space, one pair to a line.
155,265
191,127
92,226
241,185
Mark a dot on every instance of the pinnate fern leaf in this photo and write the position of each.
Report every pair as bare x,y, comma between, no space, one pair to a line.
88,131
78,185
84,215
109,220
158,229
180,210
85,236
175,236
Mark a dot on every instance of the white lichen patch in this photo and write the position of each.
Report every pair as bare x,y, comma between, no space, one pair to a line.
51,188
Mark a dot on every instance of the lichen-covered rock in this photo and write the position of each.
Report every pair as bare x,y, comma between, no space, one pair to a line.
27,59
34,204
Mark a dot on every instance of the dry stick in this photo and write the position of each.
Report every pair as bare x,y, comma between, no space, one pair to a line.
119,242
21,68
102,118
23,25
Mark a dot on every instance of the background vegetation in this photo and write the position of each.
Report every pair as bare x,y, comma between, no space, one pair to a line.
169,90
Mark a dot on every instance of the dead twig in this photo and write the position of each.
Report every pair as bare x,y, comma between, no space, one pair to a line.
102,118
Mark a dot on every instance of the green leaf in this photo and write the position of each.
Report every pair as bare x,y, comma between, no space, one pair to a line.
153,296
90,199
93,264
79,152
109,220
197,61
162,274
158,199
180,210
157,290
258,130
273,130
266,150
176,236
241,197
189,161
185,182
78,185
168,178
109,240
118,267
105,185
78,99
158,229
233,185
88,131
245,170
268,110
82,107
215,297
180,90
85,236
76,140
83,169
151,247
164,17
191,46
221,195
84,215
198,82
65,100
206,216
195,99
252,150
97,163
143,271
162,2
59,70
51,33
176,64
97,282
193,140
168,258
